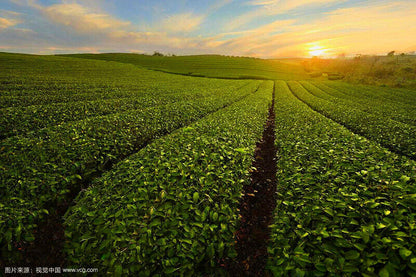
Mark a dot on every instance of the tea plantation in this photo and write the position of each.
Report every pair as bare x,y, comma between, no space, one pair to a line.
140,163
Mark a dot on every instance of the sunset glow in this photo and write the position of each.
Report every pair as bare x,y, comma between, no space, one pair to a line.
258,28
317,51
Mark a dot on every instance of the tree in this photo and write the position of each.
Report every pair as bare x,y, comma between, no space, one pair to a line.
391,53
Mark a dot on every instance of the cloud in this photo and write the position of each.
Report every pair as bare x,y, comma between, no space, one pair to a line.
150,41
187,22
375,28
183,22
268,29
366,28
9,19
270,8
261,3
218,5
87,29
6,23
9,13
80,19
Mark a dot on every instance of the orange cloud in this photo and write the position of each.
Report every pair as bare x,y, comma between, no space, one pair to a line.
369,28
6,23
374,28
9,19
271,7
80,19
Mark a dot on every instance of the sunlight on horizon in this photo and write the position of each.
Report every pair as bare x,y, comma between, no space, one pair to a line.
317,50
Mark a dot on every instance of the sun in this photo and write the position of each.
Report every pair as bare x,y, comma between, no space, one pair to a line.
317,50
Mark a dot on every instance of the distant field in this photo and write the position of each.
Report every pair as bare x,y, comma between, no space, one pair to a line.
210,66
393,71
107,162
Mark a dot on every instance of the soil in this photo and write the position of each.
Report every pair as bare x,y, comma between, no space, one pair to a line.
256,208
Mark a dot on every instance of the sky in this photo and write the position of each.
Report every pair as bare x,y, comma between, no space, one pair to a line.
258,28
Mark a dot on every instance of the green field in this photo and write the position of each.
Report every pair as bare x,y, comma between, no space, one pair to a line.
210,66
142,163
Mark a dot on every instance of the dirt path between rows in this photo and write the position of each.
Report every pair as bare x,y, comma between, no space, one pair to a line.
256,207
